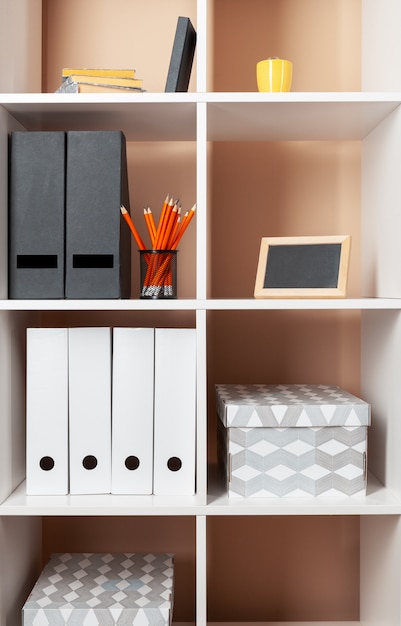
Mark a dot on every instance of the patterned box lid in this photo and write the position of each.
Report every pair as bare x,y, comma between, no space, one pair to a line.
284,406
92,588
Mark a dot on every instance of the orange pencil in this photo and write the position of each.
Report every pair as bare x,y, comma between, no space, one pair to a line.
185,223
175,229
161,229
155,242
163,276
145,215
169,227
164,207
152,222
134,231
149,226
154,264
162,217
169,275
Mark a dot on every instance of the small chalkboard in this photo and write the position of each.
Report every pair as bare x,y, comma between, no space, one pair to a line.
303,267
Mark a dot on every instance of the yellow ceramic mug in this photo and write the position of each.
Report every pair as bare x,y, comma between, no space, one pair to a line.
274,75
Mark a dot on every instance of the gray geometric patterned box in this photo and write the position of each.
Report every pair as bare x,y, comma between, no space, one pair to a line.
292,440
90,589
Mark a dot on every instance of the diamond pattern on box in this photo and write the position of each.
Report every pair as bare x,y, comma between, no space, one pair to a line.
103,589
292,440
289,406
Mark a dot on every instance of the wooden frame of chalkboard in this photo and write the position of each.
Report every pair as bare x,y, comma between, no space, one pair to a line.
303,267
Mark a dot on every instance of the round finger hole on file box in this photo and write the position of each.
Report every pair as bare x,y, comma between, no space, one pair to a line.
46,463
174,463
132,462
89,462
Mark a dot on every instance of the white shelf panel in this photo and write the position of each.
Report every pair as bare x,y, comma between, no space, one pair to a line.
317,623
306,303
182,304
99,305
142,117
306,623
378,501
297,116
231,116
18,503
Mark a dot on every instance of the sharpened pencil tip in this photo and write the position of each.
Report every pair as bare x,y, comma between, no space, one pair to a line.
123,209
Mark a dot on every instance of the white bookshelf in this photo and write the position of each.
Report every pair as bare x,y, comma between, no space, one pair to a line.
372,118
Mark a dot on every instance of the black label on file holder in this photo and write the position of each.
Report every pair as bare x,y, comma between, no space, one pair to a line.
93,261
36,261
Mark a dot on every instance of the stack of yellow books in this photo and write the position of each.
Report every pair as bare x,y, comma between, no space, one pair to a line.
82,80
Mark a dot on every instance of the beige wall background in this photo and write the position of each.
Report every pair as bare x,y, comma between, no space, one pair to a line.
112,33
264,568
322,39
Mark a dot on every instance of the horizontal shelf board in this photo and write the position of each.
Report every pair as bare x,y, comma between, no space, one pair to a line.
320,623
18,503
223,304
142,117
100,305
378,501
231,116
304,303
306,623
296,116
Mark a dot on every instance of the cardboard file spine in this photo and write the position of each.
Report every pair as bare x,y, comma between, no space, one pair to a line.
47,411
90,410
175,411
98,249
36,215
132,410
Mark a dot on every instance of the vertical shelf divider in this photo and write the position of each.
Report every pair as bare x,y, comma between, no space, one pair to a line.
201,45
201,403
201,571
202,202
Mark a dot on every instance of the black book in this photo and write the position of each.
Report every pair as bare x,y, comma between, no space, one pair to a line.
182,56
36,215
98,244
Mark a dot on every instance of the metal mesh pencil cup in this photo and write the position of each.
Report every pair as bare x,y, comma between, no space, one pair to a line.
158,273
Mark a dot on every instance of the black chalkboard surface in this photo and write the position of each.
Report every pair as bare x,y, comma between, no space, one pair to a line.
302,267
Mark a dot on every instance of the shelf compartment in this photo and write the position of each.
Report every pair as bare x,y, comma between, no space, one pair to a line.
304,568
297,116
142,117
136,534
